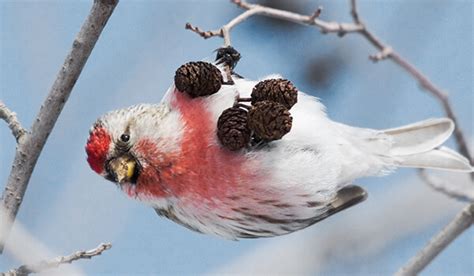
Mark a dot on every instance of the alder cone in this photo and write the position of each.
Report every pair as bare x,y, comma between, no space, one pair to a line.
232,129
198,79
277,90
269,120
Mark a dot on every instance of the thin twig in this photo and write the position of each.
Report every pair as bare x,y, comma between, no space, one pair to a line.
385,51
384,54
461,222
254,9
31,145
224,32
316,14
354,12
204,34
49,264
13,123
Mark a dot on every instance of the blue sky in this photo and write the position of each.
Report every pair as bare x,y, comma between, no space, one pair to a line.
67,207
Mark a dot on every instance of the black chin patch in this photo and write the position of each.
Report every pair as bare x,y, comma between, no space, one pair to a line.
136,171
111,176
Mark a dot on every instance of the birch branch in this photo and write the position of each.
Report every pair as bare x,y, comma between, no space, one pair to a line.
13,123
358,26
461,222
30,146
45,265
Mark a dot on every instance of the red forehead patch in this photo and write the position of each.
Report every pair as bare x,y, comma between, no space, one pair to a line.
97,148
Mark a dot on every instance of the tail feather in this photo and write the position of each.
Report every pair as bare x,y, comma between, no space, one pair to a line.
420,137
418,145
442,158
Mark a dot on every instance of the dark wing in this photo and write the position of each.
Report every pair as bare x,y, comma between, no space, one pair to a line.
169,213
345,198
281,217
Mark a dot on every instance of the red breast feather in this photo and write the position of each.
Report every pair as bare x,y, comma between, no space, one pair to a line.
202,169
213,190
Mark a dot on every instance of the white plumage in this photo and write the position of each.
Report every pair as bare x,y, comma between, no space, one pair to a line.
321,155
286,185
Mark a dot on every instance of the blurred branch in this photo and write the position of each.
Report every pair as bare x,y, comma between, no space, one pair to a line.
13,123
45,265
30,146
358,26
461,222
459,193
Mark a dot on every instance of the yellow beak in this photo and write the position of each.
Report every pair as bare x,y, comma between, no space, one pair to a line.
123,168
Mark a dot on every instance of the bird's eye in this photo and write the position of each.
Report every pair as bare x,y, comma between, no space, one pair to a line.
125,137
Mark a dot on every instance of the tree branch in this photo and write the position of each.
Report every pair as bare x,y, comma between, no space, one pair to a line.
385,51
254,9
13,123
461,222
45,265
31,145
441,96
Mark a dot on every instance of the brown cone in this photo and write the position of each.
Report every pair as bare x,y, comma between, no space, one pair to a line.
232,128
269,120
277,90
198,79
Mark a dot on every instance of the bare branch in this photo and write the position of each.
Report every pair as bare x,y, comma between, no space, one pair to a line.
461,222
441,96
384,54
45,265
13,123
316,14
29,149
204,34
354,12
386,51
253,9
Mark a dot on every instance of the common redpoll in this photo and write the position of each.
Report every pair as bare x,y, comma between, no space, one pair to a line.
168,156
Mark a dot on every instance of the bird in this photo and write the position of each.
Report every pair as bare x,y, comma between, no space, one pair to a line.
168,156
